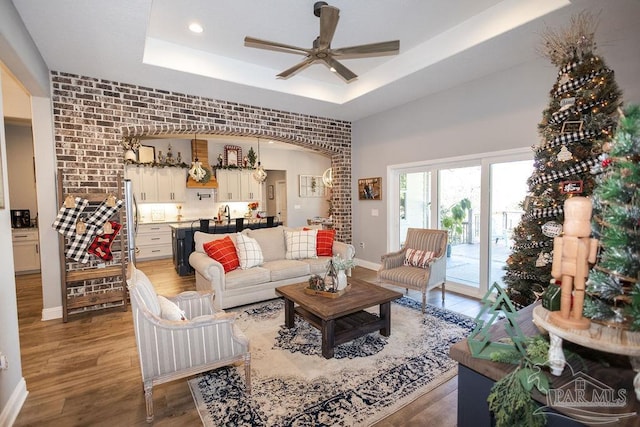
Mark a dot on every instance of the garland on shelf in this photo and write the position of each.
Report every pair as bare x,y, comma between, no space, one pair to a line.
157,165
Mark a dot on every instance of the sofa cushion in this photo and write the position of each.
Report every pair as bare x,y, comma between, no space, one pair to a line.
169,310
224,251
418,258
238,279
286,269
317,265
271,241
249,252
300,244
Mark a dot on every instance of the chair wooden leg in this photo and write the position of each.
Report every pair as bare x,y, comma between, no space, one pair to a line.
148,397
247,373
443,294
424,300
406,291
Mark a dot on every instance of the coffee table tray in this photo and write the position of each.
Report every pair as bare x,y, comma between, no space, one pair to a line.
327,294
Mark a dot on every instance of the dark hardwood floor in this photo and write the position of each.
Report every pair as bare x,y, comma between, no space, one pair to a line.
86,372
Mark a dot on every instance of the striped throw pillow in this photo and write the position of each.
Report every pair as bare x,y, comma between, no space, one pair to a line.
418,258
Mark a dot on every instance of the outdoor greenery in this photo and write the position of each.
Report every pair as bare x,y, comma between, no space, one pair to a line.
452,219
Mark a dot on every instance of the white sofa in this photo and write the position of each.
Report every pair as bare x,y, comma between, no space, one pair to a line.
239,287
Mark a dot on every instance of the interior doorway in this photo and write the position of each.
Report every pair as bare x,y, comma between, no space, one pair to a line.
281,201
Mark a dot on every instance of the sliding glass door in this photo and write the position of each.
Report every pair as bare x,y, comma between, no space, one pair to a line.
476,199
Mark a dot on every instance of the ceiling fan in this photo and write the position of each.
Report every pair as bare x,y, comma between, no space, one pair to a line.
321,50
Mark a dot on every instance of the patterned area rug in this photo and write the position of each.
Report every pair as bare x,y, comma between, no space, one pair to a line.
368,379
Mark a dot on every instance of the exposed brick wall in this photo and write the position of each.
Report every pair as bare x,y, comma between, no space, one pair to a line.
91,116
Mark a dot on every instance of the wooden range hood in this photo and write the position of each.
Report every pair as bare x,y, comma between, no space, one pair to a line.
200,149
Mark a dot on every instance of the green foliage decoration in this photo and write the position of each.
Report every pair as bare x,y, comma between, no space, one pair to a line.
510,398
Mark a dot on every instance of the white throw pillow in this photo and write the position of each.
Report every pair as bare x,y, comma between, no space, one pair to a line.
301,244
249,252
169,310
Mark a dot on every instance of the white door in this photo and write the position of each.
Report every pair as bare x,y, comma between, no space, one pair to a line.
281,201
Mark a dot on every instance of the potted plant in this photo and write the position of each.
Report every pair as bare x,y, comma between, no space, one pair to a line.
452,220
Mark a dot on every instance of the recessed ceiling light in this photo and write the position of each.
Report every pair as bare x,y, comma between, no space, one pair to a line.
196,28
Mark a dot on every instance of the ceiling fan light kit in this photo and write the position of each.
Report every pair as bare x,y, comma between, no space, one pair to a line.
321,49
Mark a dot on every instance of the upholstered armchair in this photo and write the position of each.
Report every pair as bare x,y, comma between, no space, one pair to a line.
174,349
420,265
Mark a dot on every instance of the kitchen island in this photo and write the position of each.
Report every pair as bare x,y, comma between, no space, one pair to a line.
182,235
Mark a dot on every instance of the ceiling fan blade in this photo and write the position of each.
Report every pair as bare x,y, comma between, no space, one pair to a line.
343,71
296,68
329,16
364,50
279,47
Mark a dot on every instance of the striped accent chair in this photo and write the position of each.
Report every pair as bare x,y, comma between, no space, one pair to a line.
174,349
395,271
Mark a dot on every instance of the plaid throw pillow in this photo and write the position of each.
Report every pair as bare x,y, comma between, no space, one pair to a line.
418,258
300,244
223,251
324,242
249,252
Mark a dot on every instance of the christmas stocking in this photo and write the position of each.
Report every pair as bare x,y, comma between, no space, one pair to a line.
77,249
101,245
103,213
65,222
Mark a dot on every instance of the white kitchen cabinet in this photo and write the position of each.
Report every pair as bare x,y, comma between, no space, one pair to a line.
249,187
26,250
228,185
153,241
158,185
171,184
144,183
237,186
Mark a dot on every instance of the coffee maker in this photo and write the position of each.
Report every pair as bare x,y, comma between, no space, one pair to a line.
20,218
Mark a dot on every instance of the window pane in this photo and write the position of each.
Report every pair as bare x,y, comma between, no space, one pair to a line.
459,210
414,202
508,190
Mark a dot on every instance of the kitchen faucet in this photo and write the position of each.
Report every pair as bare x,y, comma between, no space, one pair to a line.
227,213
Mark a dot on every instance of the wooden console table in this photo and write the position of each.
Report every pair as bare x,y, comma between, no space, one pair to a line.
477,376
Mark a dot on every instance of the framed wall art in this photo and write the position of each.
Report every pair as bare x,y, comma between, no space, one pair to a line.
312,186
146,154
370,189
270,192
232,155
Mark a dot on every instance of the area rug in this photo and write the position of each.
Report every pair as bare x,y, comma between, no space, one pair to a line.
368,379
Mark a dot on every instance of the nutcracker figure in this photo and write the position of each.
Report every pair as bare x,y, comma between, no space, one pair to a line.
572,253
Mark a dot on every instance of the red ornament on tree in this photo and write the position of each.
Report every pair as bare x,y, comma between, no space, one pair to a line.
606,162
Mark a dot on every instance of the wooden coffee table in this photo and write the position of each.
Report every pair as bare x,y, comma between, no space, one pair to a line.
343,318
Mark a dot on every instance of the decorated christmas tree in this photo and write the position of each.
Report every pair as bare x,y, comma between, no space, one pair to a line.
613,292
580,119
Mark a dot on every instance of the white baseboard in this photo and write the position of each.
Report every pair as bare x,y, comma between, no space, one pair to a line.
52,313
14,404
367,264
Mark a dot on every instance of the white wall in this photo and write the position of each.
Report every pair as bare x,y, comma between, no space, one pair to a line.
19,55
12,385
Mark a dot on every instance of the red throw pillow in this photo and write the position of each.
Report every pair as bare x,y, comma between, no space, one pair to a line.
324,242
223,251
